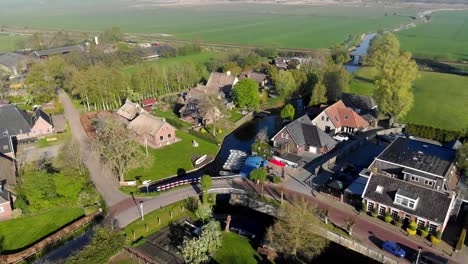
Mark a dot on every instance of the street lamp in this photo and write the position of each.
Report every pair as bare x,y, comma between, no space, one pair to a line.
142,213
419,252
146,183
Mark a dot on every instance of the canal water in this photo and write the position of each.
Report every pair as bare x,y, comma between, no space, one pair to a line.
363,48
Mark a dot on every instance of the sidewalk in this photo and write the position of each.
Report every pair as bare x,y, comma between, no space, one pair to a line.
368,230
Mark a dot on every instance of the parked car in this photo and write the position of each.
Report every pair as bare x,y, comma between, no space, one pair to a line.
393,248
431,258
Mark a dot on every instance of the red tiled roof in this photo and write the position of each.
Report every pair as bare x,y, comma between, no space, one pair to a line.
341,116
149,101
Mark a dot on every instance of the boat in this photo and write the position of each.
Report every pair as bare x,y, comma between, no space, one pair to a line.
201,159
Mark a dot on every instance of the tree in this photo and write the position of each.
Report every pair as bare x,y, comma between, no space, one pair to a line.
199,250
293,233
232,67
111,35
204,212
394,93
336,78
71,157
44,78
462,160
319,95
300,79
259,175
383,47
284,83
205,183
246,93
116,149
288,112
340,54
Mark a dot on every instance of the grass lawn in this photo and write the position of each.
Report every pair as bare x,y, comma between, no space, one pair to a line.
22,232
151,221
235,116
8,42
167,161
440,99
295,26
236,249
444,37
202,57
53,139
172,118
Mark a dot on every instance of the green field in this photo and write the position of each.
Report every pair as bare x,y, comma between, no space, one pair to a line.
236,249
19,233
165,165
440,99
293,26
8,42
444,37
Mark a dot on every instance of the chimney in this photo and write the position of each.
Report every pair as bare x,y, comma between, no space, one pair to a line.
228,73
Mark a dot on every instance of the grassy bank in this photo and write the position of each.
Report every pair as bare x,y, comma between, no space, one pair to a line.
236,249
173,159
20,233
440,99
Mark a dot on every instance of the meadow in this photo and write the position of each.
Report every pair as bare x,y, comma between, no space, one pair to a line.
445,37
293,26
440,99
8,42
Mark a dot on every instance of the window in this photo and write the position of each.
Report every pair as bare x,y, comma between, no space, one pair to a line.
415,178
395,215
428,182
421,224
323,118
346,117
432,228
328,119
370,206
287,137
169,135
282,135
5,133
406,202
382,210
161,138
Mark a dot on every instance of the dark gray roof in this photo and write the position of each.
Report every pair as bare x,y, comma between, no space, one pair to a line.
432,205
291,157
6,146
419,173
363,105
11,59
61,50
419,155
304,133
40,113
7,170
405,193
14,121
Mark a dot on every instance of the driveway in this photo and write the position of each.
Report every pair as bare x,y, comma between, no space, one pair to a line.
104,180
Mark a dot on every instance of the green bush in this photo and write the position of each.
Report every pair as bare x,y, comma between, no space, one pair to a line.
435,240
424,232
204,135
399,222
435,133
203,130
388,218
277,179
375,212
461,239
413,225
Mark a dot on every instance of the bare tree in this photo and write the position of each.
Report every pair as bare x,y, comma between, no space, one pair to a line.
116,148
70,156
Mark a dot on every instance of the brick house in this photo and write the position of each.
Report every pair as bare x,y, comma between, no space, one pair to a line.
152,130
301,136
5,204
414,180
25,127
260,78
339,118
41,124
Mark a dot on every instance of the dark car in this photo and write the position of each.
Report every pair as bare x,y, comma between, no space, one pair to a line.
431,258
393,249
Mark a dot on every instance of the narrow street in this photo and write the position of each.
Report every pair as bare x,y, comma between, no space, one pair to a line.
106,183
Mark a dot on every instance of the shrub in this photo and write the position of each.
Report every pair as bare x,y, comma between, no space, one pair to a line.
203,130
16,213
435,240
388,218
220,131
424,231
399,222
413,225
461,239
277,179
411,231
375,212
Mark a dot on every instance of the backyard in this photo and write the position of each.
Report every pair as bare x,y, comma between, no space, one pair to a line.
37,226
293,26
164,164
445,37
236,249
440,99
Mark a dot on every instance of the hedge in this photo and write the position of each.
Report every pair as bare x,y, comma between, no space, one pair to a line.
439,134
206,136
461,240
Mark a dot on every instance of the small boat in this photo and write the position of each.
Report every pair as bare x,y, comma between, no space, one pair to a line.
201,159
226,173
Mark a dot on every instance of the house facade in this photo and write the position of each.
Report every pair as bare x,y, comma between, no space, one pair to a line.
5,204
301,136
414,180
42,124
260,78
152,130
339,118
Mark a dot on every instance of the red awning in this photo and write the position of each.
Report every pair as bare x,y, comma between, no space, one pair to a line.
277,163
149,101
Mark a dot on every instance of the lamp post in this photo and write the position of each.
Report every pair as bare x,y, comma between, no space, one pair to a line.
419,252
142,213
146,183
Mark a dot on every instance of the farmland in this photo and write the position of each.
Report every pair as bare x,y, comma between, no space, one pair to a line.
440,99
292,26
444,37
8,42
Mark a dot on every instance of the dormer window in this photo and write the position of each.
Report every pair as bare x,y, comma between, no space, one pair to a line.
346,117
406,199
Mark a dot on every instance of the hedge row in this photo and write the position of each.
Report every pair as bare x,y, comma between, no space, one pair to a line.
439,134
177,123
206,136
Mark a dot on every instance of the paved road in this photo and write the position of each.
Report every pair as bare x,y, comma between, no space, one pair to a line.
106,183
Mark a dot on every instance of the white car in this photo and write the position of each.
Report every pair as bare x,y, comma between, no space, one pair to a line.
341,138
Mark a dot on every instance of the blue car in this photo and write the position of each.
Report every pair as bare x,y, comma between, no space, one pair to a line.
393,249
